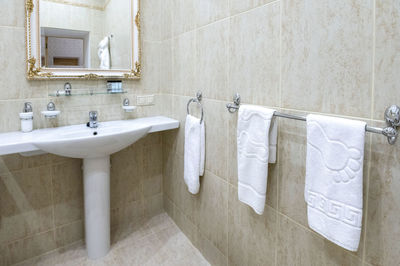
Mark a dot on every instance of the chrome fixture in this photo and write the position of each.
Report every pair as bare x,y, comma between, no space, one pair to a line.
27,107
233,107
92,119
392,118
67,89
125,102
51,106
197,99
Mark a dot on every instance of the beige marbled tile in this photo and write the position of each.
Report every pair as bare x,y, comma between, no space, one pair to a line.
212,60
17,9
152,160
327,56
166,67
237,6
68,192
69,233
152,186
127,213
251,237
383,223
208,11
25,203
184,64
387,56
298,245
181,21
15,86
216,126
30,247
166,19
210,252
254,60
153,205
150,78
213,210
152,18
126,181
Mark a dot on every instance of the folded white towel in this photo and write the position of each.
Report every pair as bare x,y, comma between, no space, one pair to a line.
193,153
254,136
202,147
334,178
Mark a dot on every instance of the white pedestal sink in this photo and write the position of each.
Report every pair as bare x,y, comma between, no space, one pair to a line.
94,146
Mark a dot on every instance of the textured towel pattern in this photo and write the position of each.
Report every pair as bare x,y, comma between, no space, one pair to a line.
334,178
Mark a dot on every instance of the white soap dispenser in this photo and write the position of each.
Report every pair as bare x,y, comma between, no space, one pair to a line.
26,118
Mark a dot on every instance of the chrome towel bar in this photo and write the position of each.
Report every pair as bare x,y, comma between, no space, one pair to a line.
197,99
392,118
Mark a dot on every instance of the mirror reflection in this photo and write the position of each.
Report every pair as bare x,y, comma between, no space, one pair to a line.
90,34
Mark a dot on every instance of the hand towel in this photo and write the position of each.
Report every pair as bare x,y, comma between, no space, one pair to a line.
253,144
192,153
202,147
334,178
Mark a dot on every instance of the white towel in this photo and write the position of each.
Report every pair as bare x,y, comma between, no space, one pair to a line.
254,134
193,153
202,147
334,178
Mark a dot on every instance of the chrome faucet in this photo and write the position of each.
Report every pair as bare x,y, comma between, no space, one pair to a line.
92,119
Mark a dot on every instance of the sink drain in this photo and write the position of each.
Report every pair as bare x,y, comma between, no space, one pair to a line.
95,133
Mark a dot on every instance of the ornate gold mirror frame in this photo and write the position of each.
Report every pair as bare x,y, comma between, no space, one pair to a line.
33,64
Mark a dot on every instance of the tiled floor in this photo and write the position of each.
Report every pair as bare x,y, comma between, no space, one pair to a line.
155,242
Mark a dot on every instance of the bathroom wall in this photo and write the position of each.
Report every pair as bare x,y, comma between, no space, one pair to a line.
337,58
41,197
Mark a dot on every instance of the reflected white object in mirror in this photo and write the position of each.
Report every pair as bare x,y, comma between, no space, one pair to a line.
83,39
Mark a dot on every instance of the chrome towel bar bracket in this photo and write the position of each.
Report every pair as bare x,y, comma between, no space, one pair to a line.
197,99
392,118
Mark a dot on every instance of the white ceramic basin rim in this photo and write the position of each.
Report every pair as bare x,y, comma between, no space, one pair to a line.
80,141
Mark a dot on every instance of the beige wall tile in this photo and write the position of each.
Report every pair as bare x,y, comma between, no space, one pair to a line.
213,210
70,233
25,203
29,247
327,56
237,6
216,127
254,61
212,60
208,11
16,7
300,246
251,237
387,57
68,192
184,66
181,22
383,208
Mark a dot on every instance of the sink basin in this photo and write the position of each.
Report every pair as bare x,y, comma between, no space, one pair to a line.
80,141
94,146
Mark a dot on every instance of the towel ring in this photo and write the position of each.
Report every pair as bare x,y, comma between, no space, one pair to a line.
197,99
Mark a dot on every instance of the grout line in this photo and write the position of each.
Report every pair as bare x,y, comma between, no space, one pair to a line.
373,59
315,234
363,255
222,19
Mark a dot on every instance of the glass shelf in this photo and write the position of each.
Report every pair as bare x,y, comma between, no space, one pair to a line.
85,93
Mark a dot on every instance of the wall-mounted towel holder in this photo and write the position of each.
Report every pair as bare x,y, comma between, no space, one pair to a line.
197,99
392,118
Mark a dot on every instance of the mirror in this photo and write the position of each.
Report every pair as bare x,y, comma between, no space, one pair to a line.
83,39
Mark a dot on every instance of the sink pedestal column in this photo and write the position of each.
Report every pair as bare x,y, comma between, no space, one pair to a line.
96,175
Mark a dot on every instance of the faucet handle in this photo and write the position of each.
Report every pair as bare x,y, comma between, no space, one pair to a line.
93,115
27,107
